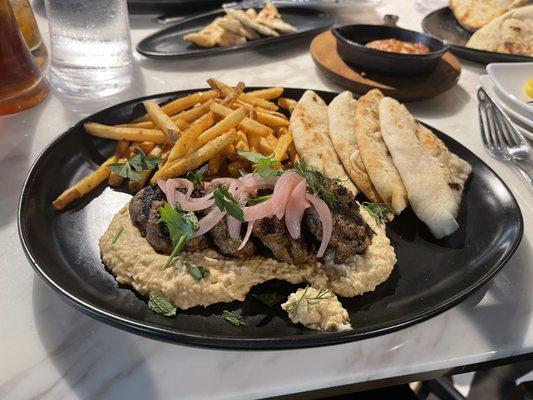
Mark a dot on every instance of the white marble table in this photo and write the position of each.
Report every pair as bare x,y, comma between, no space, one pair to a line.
49,350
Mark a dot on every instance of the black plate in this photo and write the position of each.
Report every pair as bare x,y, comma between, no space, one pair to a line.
351,40
169,42
172,7
430,277
443,25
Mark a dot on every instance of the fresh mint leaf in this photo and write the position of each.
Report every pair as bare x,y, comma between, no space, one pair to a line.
225,202
197,272
232,318
160,305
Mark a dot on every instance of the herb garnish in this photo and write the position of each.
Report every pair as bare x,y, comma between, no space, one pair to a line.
269,298
117,235
262,165
160,305
226,202
379,211
259,199
232,318
181,226
132,168
197,177
322,294
197,272
317,182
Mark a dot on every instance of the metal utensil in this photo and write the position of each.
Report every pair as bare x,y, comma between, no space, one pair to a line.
501,139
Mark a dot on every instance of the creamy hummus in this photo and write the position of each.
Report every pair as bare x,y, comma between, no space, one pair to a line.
134,262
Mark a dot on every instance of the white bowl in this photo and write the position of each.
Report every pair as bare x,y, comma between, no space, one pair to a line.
510,79
521,123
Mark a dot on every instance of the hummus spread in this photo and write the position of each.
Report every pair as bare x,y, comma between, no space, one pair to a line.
134,262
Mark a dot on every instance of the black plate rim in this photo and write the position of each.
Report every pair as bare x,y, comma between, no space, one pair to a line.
142,45
212,341
468,53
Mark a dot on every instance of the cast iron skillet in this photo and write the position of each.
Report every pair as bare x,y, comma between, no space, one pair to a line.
430,277
351,40
169,42
443,25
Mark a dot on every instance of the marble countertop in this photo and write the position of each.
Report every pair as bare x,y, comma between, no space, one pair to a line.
52,351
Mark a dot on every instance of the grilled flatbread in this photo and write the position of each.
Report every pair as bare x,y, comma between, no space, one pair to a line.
243,18
234,26
208,36
309,125
341,113
474,14
270,17
376,158
511,33
425,178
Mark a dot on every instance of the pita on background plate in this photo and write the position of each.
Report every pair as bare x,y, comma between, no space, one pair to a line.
510,33
474,14
309,125
341,115
426,179
374,153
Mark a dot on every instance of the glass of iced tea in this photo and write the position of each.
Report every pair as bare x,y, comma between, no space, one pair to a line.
21,82
29,29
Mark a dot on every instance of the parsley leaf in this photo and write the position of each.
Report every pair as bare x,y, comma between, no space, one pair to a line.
160,305
197,272
132,168
379,211
225,202
264,166
197,177
232,318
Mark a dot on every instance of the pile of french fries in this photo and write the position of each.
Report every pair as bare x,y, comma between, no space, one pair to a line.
208,127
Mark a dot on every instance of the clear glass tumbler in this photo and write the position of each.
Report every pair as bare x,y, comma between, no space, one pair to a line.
90,47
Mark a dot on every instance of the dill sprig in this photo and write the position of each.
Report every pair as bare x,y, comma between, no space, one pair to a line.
322,294
317,182
379,211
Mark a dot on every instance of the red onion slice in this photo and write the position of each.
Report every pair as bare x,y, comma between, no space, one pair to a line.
234,227
170,185
247,234
326,219
209,221
295,210
282,191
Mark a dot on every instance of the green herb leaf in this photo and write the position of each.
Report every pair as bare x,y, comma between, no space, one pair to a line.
125,170
317,182
197,272
225,202
259,199
197,177
264,166
232,318
379,211
160,305
132,168
269,298
117,235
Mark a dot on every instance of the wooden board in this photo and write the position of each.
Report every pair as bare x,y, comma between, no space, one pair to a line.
411,88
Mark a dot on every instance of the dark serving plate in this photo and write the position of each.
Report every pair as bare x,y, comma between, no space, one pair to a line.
443,25
172,7
430,277
351,40
169,42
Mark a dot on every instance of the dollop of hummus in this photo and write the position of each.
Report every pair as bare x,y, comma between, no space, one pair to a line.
134,262
317,309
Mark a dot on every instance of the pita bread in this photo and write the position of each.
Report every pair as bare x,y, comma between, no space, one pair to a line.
244,19
234,26
207,37
270,17
425,178
474,14
511,33
309,125
341,114
376,158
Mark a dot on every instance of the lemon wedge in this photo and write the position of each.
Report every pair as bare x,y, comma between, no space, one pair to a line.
528,88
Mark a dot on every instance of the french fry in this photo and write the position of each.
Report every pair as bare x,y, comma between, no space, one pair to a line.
293,154
180,123
253,143
121,150
194,113
272,140
85,185
287,104
189,136
235,167
241,142
231,121
196,159
284,142
234,95
182,103
267,94
271,120
265,148
230,148
215,164
146,147
247,124
121,133
135,186
161,120
253,100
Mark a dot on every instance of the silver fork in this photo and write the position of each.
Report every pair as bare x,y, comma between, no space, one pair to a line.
501,139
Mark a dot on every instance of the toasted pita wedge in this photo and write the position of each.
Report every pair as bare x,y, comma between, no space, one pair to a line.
251,13
241,16
424,176
234,26
341,113
376,158
270,17
475,14
208,36
309,126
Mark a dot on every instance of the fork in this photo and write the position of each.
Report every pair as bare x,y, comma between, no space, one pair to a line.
501,139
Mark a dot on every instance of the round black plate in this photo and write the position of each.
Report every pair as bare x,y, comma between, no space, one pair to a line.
430,277
443,25
169,42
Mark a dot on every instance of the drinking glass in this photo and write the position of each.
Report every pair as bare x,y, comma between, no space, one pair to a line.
90,47
21,83
30,31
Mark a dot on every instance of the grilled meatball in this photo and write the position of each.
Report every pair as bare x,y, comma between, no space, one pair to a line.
273,233
141,204
228,246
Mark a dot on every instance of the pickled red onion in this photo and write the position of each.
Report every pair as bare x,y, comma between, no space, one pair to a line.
247,234
282,191
295,210
209,221
325,218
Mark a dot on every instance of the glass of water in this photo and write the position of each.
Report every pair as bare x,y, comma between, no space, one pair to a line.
90,47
